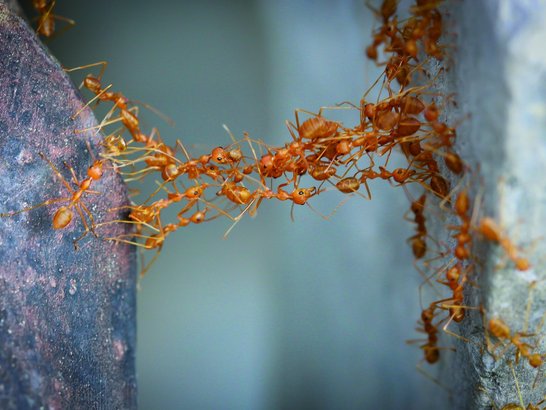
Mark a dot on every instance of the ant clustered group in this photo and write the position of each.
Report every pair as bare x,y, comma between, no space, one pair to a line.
323,154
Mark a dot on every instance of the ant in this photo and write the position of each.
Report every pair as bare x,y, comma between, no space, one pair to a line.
313,128
431,349
506,336
498,328
64,214
463,236
418,241
456,308
492,232
46,19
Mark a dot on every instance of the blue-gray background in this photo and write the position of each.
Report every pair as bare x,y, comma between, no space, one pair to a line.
307,315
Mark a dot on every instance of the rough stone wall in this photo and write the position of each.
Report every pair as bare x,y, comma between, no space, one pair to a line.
67,317
498,77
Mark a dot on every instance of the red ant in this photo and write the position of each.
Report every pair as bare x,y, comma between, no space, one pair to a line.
313,128
418,241
430,348
492,232
498,328
463,236
235,193
46,19
456,308
64,214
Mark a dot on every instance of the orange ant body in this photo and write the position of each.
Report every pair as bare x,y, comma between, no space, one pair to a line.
46,19
322,172
501,331
456,309
491,231
400,175
298,196
453,162
317,127
348,185
128,118
463,236
418,241
236,193
430,348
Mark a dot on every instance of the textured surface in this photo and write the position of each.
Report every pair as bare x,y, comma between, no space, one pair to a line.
499,77
67,318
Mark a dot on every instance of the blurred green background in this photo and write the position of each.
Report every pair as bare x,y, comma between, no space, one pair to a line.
304,315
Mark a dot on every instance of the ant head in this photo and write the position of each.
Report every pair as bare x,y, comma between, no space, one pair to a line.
266,163
219,155
95,170
198,217
301,195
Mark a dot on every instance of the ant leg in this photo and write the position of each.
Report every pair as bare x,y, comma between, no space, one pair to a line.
258,168
96,97
103,65
291,125
535,382
65,183
528,307
367,189
69,24
179,143
85,225
105,122
333,212
72,172
147,267
127,241
517,384
426,280
30,208
420,369
120,238
151,108
91,219
130,222
449,332
257,203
